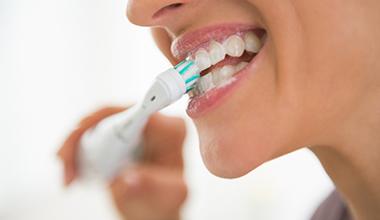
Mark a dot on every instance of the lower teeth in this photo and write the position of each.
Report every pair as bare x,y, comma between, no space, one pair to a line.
217,78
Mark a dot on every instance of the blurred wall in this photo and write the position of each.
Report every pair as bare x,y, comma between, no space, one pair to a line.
60,60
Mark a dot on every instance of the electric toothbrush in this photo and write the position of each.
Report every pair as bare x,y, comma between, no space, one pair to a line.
115,141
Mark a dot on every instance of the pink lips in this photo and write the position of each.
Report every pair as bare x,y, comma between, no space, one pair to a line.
201,104
184,44
188,42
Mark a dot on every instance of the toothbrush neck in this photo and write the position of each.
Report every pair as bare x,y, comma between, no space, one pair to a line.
157,98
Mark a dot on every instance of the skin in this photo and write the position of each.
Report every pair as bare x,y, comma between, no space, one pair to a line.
318,85
152,189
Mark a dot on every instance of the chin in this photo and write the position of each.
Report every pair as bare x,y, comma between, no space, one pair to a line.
230,156
235,146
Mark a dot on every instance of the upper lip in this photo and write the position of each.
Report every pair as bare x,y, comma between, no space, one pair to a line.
188,42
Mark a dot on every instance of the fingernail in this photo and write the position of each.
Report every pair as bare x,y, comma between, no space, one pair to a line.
67,181
68,177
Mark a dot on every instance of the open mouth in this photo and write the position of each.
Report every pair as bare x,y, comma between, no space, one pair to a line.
221,61
221,53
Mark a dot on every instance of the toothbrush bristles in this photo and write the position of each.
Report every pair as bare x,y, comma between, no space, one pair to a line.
189,72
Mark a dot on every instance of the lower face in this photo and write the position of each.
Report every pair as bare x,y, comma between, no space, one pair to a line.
290,93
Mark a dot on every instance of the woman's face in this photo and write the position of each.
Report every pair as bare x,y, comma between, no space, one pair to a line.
296,91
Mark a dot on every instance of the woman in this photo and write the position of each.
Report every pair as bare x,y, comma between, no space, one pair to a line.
312,79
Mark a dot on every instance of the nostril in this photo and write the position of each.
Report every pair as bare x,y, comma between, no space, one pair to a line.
175,5
166,9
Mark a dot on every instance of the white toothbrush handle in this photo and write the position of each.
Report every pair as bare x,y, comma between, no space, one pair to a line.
111,145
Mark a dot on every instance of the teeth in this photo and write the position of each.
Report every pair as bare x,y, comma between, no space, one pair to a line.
202,59
216,78
206,83
227,71
234,46
216,52
222,74
241,66
252,42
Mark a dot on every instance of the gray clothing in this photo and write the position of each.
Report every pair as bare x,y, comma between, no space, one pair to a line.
333,208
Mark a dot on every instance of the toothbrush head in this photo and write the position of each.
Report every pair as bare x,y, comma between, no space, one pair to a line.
189,72
171,85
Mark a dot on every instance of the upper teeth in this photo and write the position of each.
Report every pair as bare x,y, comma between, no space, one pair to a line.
233,46
252,42
216,52
202,59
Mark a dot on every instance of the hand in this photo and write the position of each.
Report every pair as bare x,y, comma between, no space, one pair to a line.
154,189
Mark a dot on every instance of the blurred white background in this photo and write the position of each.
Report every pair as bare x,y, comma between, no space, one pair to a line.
60,60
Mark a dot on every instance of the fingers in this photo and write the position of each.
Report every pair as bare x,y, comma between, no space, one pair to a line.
149,192
164,137
163,140
67,154
69,148
97,116
155,190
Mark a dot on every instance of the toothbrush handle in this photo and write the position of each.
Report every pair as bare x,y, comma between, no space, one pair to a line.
112,144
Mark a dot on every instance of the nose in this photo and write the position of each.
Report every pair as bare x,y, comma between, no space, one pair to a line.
154,12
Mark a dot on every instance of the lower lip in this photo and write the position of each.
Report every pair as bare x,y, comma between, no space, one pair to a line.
203,104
